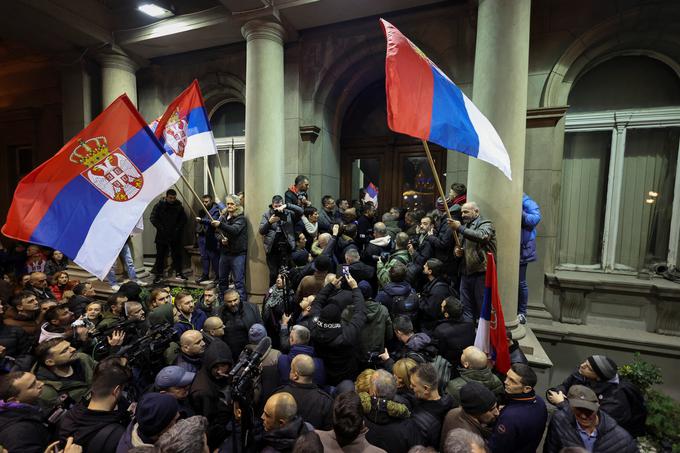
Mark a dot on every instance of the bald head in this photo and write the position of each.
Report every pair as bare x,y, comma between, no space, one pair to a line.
473,358
214,326
323,239
279,410
302,369
191,343
379,230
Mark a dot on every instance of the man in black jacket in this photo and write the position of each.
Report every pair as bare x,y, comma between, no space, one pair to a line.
238,316
434,292
15,347
232,237
99,425
282,425
583,424
313,404
169,218
278,228
452,334
429,407
21,423
335,342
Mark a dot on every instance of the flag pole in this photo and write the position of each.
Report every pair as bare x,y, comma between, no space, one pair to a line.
439,187
212,183
219,165
179,172
187,202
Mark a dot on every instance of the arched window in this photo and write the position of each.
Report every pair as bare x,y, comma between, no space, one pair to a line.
619,209
228,122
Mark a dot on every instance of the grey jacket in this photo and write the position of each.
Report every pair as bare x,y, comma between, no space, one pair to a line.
479,237
287,224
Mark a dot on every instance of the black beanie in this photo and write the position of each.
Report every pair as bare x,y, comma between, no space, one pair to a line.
603,366
476,399
330,313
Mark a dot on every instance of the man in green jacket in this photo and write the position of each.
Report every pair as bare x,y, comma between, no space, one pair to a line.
400,255
474,368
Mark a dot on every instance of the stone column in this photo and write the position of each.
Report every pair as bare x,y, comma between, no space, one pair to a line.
118,77
77,103
264,166
500,92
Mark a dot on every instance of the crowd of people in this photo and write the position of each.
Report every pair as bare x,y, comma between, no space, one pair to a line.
364,343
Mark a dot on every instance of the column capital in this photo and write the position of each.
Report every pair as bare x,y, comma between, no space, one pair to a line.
117,60
263,29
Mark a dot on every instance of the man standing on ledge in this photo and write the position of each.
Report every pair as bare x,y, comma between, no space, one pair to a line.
169,218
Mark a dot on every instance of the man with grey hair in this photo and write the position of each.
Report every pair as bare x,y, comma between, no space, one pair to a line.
314,405
186,436
380,244
389,422
360,271
461,440
299,344
478,237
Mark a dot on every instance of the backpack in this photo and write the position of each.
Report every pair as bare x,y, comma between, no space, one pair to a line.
440,364
638,408
405,306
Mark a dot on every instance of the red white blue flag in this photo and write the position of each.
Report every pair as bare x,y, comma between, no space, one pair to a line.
184,129
86,199
491,337
371,194
424,103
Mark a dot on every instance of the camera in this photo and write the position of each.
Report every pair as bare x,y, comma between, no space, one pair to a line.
384,257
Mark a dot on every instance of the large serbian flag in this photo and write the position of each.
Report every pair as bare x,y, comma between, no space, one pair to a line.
424,103
86,199
491,337
184,129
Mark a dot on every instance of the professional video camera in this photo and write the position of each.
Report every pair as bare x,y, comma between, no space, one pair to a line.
147,352
243,375
127,325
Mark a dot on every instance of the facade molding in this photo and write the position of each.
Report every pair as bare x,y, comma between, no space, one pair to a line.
263,29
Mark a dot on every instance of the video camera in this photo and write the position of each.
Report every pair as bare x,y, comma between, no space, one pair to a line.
242,377
127,325
147,351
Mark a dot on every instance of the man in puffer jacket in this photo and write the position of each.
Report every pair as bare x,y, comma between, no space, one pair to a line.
583,419
475,368
531,216
333,341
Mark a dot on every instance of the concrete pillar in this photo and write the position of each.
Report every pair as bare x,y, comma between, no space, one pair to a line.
500,92
118,77
77,102
264,166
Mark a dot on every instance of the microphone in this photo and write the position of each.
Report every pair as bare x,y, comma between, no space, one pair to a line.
260,350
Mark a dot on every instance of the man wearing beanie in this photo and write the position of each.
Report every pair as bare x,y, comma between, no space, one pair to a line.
582,423
618,397
155,414
478,410
255,334
521,422
333,341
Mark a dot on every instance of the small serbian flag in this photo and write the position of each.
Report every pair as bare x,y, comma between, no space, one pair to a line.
491,337
184,128
371,194
424,103
86,199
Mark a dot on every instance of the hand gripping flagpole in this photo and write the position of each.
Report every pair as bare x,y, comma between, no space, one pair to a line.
439,187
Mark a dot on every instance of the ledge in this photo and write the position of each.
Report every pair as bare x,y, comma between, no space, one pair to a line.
615,283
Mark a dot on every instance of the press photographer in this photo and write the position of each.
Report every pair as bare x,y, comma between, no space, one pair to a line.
277,227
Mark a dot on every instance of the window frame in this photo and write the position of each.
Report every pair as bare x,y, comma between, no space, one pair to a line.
619,122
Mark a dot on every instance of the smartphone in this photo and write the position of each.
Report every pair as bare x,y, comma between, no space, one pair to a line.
345,271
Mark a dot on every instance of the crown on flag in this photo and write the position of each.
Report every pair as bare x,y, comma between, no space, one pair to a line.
174,118
90,151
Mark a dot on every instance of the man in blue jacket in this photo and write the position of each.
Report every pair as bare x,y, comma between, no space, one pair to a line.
531,216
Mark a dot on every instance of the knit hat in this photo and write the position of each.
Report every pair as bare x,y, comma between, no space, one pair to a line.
366,289
155,411
582,396
440,204
330,313
476,399
173,376
603,366
256,333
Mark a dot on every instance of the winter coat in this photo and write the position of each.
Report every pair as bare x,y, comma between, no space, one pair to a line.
429,415
313,404
452,337
236,326
478,237
283,439
389,424
484,377
55,385
169,220
376,331
204,227
458,418
327,220
16,341
98,431
22,429
430,306
28,323
190,364
375,248
358,445
309,285
335,343
40,294
130,439
611,438
531,216
235,230
285,360
520,425
442,241
286,226
359,271
194,323
364,230
390,290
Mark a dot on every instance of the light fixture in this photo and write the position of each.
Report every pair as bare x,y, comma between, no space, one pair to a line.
153,10
653,194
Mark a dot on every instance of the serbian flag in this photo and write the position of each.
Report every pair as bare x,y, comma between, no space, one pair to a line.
424,103
371,194
184,129
491,337
86,199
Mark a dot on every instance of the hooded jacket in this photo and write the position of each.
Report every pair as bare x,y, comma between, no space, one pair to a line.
375,248
484,377
431,297
390,290
22,429
389,424
335,342
611,438
531,216
85,425
376,331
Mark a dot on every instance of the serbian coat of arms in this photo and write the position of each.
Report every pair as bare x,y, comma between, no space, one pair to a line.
111,172
175,133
